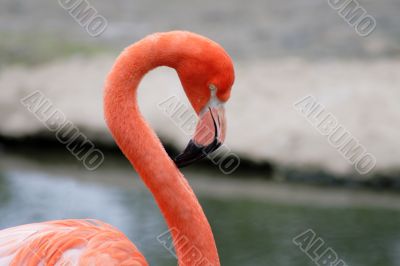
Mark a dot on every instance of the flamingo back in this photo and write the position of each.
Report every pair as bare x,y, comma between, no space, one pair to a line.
68,243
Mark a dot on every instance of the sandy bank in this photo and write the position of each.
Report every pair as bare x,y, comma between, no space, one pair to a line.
263,124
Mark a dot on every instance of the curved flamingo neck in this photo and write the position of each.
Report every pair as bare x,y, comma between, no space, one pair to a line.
192,236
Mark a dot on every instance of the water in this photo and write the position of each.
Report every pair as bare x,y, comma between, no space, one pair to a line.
248,231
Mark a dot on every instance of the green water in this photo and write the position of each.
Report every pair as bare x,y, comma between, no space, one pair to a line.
248,232
257,233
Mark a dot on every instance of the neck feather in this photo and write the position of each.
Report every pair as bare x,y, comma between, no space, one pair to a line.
191,232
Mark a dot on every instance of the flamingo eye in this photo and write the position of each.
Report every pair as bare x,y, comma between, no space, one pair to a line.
213,90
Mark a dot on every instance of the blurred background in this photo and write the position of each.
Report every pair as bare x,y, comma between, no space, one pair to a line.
290,178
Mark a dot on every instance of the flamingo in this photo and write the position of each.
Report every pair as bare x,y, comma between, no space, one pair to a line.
207,76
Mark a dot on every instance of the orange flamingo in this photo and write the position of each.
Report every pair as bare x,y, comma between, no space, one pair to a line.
207,75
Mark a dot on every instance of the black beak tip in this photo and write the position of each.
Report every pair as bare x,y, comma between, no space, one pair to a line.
194,153
181,162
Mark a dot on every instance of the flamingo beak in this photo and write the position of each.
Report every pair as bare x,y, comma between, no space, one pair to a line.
208,137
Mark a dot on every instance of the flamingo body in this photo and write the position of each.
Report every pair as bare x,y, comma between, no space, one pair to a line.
67,243
207,75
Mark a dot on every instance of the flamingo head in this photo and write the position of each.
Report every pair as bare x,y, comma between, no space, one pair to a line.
207,75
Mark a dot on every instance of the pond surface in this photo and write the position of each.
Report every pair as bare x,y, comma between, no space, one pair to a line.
248,231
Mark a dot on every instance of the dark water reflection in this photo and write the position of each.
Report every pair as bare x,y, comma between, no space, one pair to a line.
5,193
247,232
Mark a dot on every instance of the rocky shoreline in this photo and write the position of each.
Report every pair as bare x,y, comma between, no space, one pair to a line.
51,149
